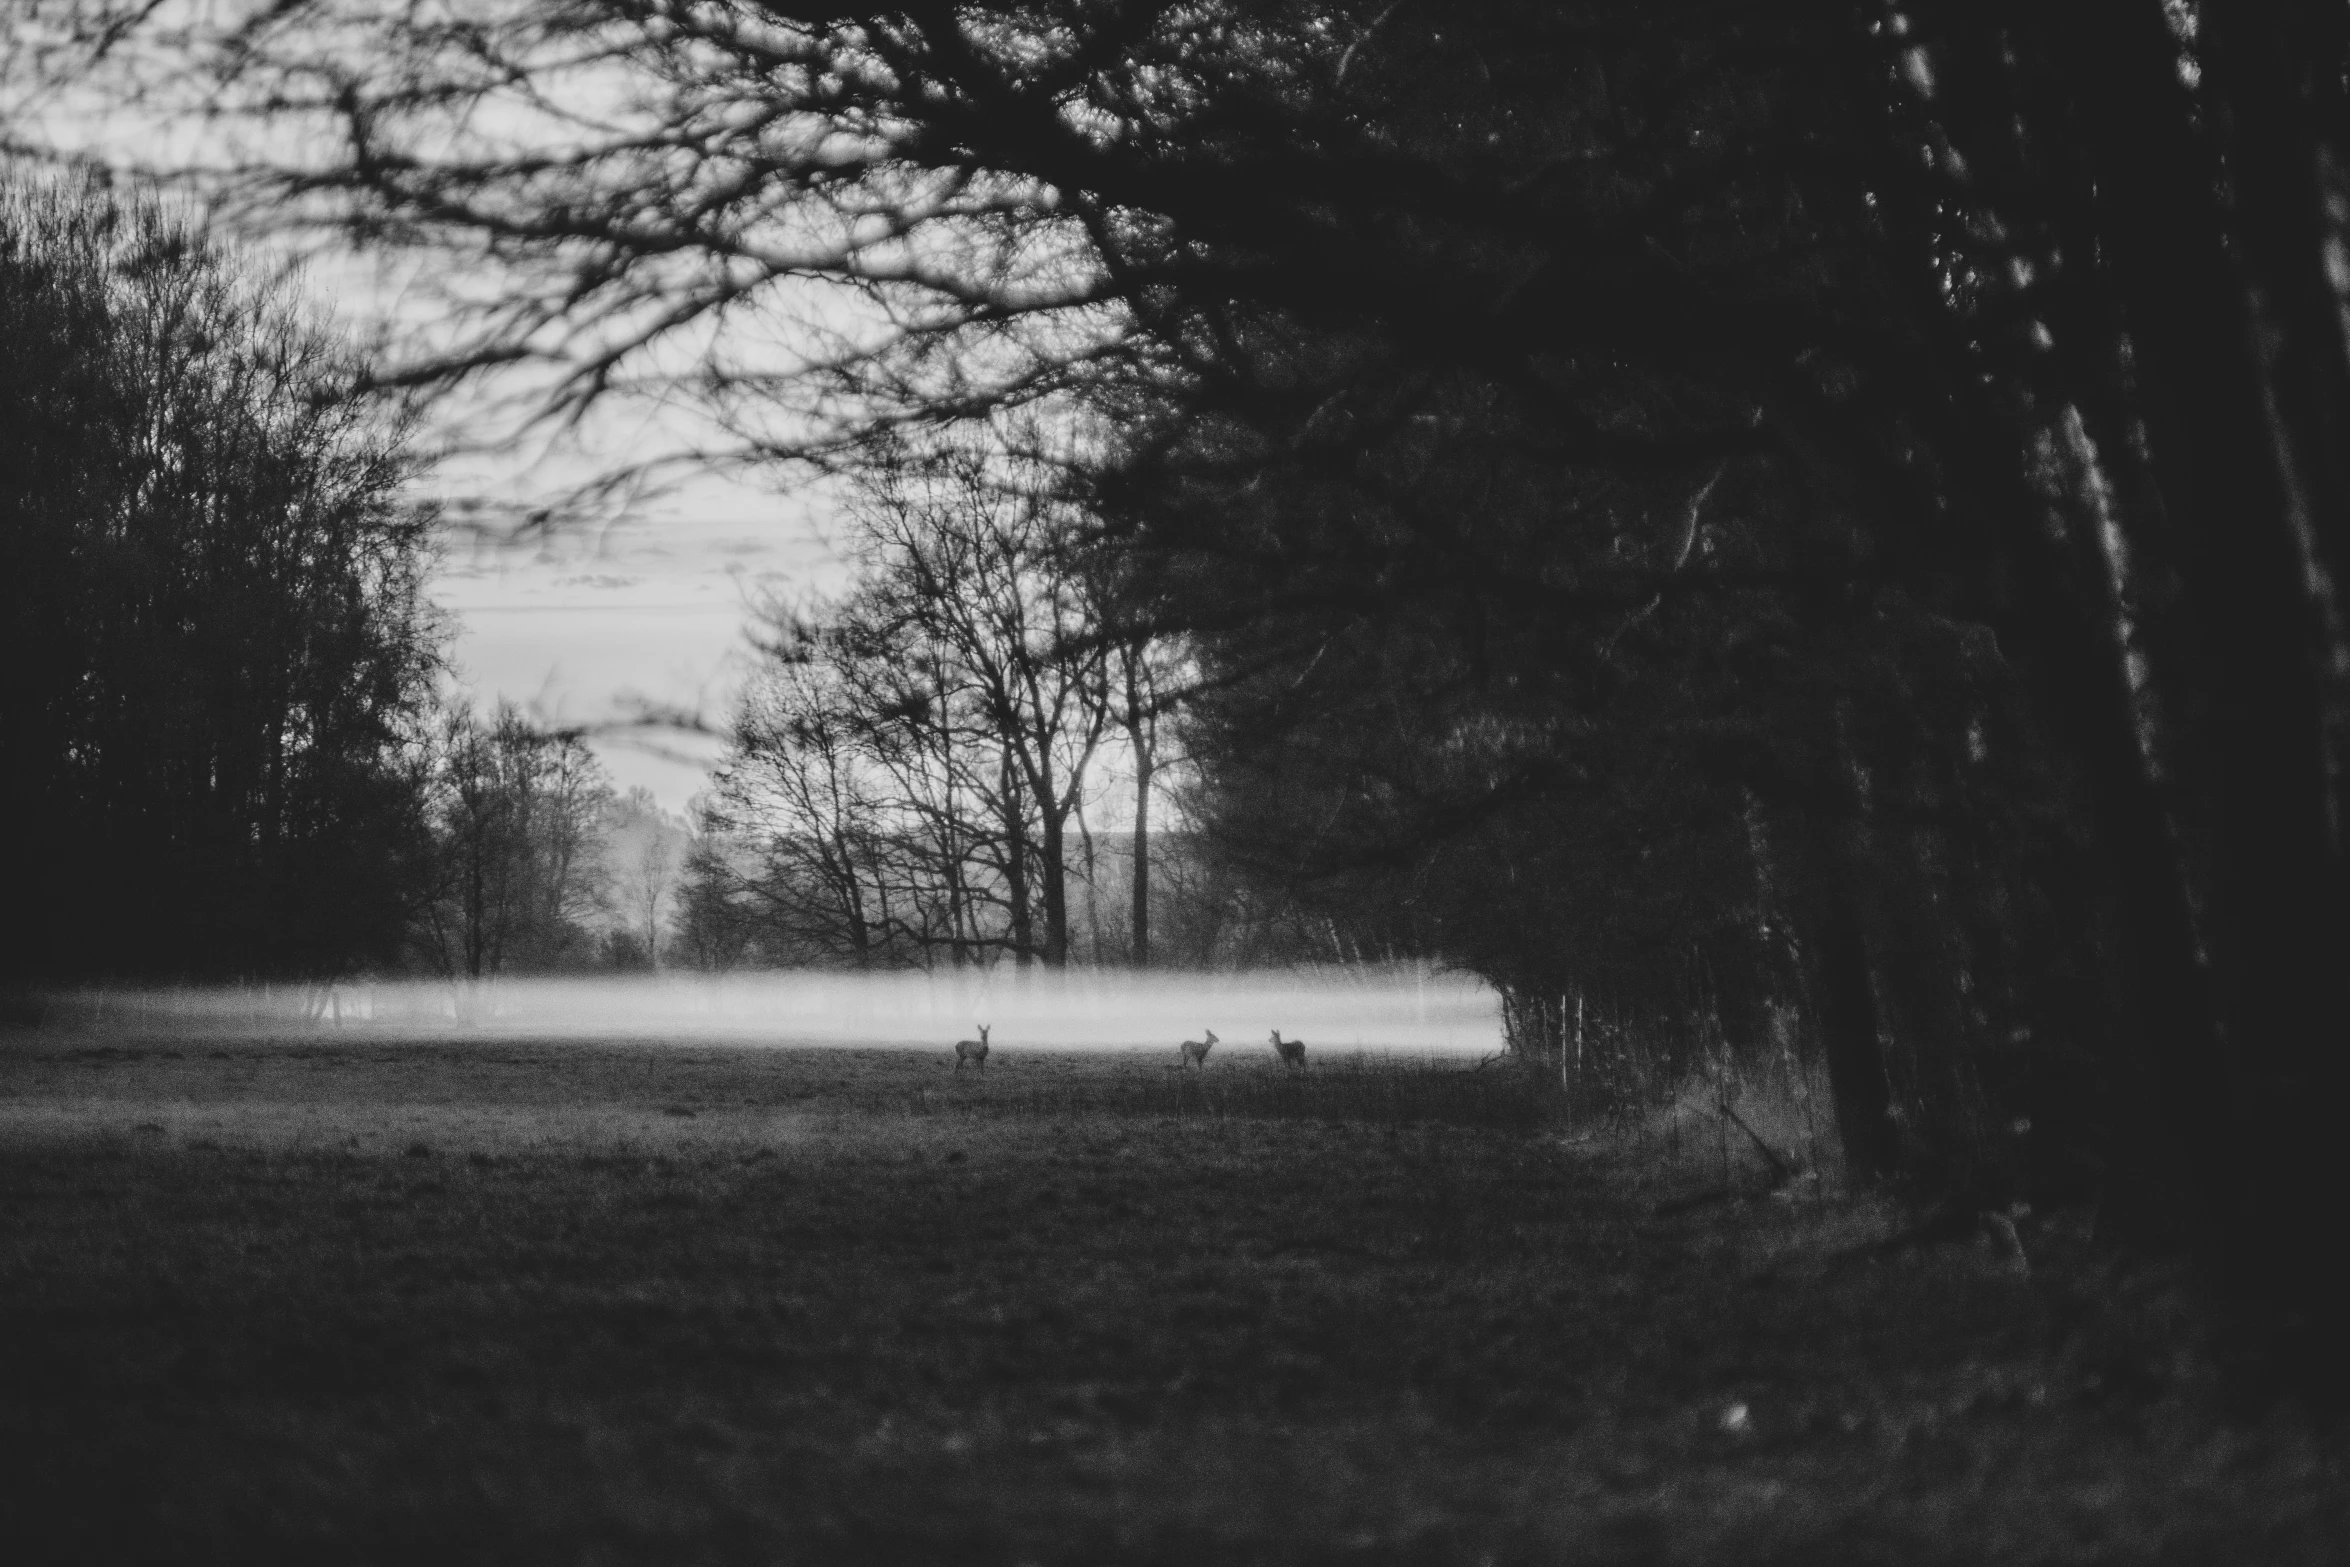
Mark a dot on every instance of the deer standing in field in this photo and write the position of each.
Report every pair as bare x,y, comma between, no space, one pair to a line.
974,1050
1291,1051
1196,1051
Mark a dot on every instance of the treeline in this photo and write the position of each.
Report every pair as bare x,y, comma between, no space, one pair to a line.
916,770
226,747
1776,526
213,636
1792,512
1789,509
532,862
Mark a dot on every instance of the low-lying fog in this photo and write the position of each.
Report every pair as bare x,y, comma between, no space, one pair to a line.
1389,1008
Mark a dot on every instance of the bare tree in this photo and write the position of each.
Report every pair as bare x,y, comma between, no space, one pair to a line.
643,848
654,188
514,813
980,564
1142,701
917,722
799,788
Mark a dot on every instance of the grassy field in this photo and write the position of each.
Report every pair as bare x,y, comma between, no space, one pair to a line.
513,1302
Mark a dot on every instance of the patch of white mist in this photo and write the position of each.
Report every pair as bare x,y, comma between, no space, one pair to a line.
1399,1008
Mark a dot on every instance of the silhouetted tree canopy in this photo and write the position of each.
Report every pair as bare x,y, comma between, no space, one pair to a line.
214,649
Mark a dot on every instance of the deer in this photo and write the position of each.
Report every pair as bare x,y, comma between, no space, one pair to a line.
973,1050
1291,1051
1196,1050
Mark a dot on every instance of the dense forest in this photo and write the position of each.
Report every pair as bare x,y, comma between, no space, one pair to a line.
210,595
225,737
1754,526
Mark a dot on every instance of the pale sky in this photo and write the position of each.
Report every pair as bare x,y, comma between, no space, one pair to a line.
592,619
654,608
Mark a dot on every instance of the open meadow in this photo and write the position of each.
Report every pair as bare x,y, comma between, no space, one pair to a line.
359,1298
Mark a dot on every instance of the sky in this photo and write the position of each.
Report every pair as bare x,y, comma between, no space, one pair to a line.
581,626
586,622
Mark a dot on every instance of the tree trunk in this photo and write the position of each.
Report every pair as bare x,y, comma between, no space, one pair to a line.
1016,864
1843,972
2282,895
852,896
1844,1003
2239,489
1052,866
1138,733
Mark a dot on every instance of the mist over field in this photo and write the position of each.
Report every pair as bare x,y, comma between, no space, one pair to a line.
1401,1008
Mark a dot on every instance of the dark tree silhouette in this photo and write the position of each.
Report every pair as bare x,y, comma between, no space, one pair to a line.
214,645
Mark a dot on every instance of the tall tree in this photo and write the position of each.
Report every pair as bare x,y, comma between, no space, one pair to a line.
799,790
981,564
642,848
514,814
215,643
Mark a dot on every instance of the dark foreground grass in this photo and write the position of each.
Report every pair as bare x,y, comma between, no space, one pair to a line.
370,1302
